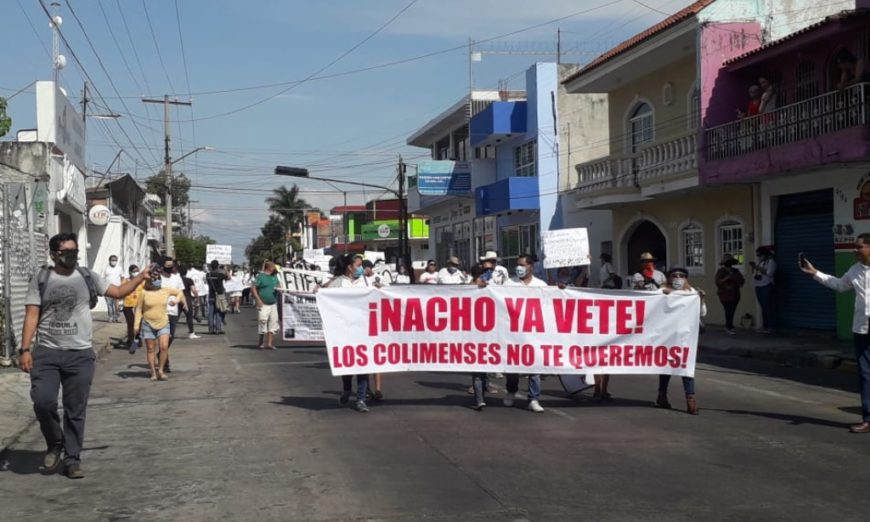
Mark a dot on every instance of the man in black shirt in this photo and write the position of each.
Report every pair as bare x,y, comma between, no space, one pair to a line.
217,300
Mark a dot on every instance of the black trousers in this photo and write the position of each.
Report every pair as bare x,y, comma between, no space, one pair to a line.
72,371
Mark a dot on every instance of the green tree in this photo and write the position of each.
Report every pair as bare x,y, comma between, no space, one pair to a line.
156,184
5,121
191,250
287,204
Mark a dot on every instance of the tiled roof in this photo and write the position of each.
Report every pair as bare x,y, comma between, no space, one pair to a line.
674,19
839,17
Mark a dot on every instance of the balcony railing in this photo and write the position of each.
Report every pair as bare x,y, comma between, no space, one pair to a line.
830,112
658,161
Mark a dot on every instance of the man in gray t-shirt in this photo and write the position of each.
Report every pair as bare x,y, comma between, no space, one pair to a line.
64,357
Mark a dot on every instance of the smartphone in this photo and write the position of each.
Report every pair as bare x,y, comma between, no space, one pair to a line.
802,260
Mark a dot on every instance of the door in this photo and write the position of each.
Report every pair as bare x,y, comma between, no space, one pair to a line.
803,224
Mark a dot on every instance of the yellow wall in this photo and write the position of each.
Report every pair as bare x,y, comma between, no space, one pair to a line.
671,121
706,207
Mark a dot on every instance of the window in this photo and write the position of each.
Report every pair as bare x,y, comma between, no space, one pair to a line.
806,81
641,126
517,240
524,159
692,237
731,240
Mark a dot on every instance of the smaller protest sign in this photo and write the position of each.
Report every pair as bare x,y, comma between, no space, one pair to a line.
566,247
222,253
301,318
374,256
304,280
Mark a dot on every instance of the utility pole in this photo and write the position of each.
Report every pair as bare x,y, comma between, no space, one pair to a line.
189,219
403,219
167,168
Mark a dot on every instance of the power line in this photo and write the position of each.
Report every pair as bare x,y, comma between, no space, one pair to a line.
100,62
651,8
156,46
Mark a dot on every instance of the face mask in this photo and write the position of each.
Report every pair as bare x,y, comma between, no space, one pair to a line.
452,269
358,272
168,269
156,284
134,274
67,259
678,283
521,271
113,263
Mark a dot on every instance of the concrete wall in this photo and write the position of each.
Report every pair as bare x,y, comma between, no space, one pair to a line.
706,208
671,121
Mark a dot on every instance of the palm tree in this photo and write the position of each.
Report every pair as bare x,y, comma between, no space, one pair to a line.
287,204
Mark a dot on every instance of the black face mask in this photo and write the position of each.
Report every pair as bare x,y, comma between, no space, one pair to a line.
169,269
67,259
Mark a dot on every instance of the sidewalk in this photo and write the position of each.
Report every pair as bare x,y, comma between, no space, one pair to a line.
796,347
16,410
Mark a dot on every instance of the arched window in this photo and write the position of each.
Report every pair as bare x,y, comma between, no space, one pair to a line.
730,234
641,126
692,247
806,81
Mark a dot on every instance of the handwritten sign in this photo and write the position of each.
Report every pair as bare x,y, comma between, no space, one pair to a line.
566,247
222,253
301,318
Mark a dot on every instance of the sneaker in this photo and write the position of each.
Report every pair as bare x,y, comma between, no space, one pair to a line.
508,401
480,406
345,396
731,331
490,388
52,460
74,471
193,336
361,407
536,407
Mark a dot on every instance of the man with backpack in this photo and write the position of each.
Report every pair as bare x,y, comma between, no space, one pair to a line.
58,308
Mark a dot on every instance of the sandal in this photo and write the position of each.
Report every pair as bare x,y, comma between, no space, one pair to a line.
162,377
378,395
153,376
691,405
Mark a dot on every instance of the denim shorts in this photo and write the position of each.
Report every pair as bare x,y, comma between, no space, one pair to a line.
150,333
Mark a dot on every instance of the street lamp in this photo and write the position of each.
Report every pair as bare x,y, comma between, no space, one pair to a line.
170,247
298,172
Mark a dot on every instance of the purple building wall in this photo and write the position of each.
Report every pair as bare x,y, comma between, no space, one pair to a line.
720,91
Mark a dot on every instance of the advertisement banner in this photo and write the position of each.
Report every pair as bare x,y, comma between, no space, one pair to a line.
566,247
223,254
509,330
301,320
443,178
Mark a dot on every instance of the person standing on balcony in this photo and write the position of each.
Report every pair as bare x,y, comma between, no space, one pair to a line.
763,274
754,106
852,70
770,93
857,278
729,281
113,274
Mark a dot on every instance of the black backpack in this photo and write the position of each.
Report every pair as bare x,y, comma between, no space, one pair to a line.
44,273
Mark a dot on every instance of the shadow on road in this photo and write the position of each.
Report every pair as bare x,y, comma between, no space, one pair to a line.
805,375
795,420
21,462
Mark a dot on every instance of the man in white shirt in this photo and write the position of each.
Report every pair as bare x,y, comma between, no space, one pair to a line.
112,275
648,278
370,277
430,276
451,274
525,277
856,278
170,279
493,273
201,302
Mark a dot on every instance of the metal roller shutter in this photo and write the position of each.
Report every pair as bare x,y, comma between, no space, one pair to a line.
804,223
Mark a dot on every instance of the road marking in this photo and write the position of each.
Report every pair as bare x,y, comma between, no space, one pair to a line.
239,365
561,413
770,393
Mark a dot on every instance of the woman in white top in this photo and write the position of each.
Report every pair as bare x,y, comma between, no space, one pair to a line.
678,283
763,276
349,274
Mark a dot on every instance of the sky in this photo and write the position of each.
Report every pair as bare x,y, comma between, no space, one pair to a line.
305,83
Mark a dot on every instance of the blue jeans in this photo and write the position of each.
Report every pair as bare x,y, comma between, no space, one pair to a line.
512,383
688,384
112,309
215,317
765,299
362,385
862,354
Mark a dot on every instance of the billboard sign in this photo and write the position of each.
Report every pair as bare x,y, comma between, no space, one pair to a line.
444,178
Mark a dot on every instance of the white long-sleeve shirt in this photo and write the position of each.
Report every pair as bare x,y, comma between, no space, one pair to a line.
858,279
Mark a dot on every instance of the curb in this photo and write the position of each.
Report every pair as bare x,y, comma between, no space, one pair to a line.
822,359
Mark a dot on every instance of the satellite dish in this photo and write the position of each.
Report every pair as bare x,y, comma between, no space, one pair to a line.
60,62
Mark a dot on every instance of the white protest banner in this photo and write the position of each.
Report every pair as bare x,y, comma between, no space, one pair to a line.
301,318
223,254
566,247
374,256
235,284
304,280
509,330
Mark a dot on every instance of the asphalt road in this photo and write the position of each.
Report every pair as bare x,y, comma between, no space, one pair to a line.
242,434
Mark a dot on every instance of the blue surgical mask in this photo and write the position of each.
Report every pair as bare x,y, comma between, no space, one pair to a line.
678,283
358,272
452,269
156,284
521,271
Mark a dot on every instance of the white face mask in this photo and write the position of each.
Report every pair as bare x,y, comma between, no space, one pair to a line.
521,271
678,283
113,263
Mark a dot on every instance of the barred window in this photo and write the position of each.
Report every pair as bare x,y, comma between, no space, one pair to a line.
731,240
524,159
693,247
